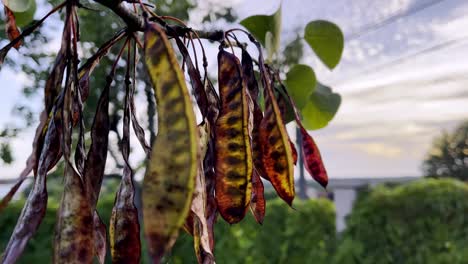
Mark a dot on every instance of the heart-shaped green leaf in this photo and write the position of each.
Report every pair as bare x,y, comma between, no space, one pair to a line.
321,107
18,5
327,41
300,82
259,26
26,17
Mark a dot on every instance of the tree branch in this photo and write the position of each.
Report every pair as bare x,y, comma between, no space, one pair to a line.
136,22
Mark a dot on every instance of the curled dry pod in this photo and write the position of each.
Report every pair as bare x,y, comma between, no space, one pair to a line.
11,28
252,85
201,237
257,203
276,149
124,229
100,237
294,152
232,146
210,180
313,160
169,179
74,228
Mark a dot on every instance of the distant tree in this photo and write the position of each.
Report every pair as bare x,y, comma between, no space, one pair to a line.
448,156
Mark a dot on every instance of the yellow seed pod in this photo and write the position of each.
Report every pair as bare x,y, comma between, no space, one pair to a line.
169,180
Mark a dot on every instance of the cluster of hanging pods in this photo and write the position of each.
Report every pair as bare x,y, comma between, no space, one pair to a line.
194,172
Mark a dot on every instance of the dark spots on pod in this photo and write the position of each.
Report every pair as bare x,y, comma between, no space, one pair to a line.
233,120
160,207
235,212
270,126
166,87
179,149
272,139
233,133
308,151
279,167
234,105
242,186
233,160
166,204
234,82
234,191
174,187
176,135
276,155
315,170
234,175
174,116
232,93
173,102
157,48
83,255
234,147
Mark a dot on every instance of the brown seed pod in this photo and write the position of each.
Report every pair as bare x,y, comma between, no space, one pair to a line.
276,149
232,145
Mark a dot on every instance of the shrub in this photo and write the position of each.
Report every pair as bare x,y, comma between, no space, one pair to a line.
302,235
421,222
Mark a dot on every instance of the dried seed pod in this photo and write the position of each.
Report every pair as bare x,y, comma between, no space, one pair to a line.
257,203
169,180
232,145
124,228
198,208
210,181
276,149
252,85
100,237
313,160
97,155
294,152
11,28
74,229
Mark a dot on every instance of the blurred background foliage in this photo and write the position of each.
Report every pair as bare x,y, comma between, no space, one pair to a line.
448,156
420,222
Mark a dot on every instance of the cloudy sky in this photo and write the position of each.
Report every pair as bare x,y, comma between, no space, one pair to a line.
403,79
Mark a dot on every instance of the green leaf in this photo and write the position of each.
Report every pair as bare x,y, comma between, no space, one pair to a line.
6,153
18,5
321,108
300,82
327,41
26,17
260,25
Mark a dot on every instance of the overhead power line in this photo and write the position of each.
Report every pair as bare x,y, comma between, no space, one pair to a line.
399,61
391,19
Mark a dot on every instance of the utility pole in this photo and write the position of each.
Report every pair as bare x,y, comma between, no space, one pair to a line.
300,163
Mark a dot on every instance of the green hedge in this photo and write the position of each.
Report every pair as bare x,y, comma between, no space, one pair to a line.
287,235
422,222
